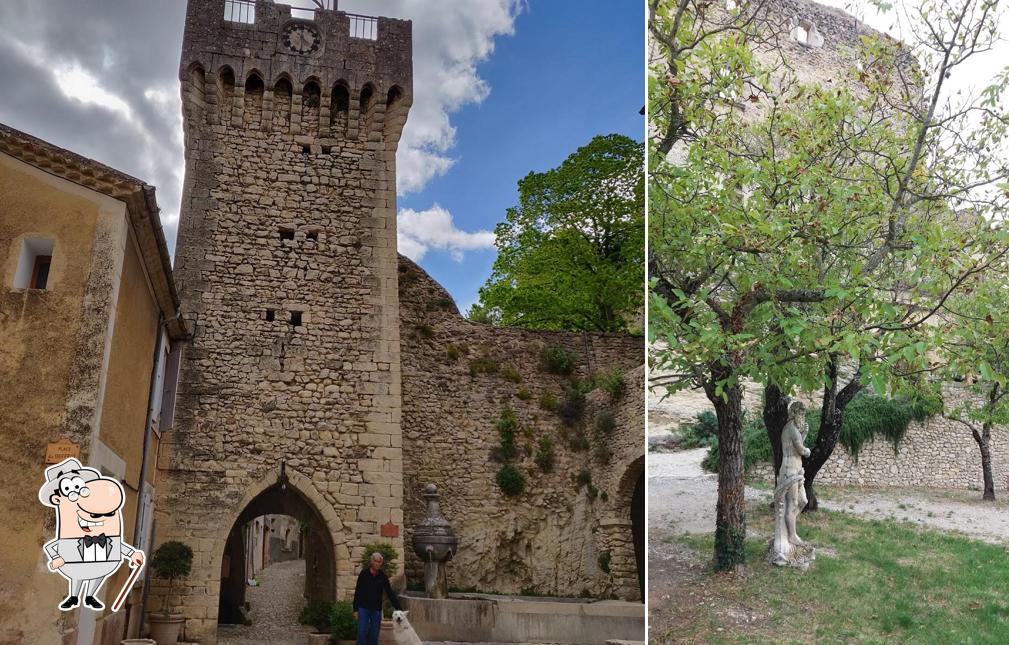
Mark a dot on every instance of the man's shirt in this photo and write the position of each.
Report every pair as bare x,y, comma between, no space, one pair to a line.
368,592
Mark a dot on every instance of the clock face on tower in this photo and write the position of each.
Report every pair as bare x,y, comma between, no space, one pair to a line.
301,38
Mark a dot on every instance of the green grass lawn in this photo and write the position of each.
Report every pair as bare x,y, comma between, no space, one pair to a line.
872,582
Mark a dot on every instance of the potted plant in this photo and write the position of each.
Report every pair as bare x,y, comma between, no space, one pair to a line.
317,614
343,624
171,560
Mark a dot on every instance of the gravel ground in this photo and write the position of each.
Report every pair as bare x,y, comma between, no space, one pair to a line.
682,497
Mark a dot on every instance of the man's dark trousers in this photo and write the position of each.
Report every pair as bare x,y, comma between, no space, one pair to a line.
368,623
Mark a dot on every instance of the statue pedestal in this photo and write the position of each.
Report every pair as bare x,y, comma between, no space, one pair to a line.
800,558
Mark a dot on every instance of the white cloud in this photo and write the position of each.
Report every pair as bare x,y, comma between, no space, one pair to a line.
450,38
420,231
100,77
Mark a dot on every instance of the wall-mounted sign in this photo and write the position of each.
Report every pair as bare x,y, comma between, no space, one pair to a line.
389,530
60,450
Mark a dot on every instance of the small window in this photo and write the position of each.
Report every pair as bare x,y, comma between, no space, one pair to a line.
34,264
313,236
40,274
306,150
296,318
327,149
271,315
287,233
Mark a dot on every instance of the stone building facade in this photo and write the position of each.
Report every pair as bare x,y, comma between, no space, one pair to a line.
88,318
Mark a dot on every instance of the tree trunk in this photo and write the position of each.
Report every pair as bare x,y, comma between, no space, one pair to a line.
775,417
831,419
730,521
983,440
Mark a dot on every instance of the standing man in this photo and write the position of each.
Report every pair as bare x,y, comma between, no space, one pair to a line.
368,600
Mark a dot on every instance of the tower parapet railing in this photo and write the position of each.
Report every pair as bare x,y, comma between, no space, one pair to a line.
363,27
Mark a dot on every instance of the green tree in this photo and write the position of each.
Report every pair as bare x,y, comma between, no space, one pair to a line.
571,254
977,353
821,229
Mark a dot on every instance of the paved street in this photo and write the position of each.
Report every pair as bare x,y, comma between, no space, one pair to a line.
275,603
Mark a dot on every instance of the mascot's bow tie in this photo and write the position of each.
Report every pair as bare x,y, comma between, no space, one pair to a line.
99,540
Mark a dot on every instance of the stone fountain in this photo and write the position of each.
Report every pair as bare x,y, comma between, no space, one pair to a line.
435,543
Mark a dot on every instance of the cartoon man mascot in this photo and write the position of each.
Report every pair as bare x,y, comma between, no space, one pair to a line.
89,524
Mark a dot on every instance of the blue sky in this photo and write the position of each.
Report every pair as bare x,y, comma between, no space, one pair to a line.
501,88
571,71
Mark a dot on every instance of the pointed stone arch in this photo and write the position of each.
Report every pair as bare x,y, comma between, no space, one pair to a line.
255,89
283,94
225,94
296,497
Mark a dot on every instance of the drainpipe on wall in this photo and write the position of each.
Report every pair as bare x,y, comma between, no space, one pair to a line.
153,410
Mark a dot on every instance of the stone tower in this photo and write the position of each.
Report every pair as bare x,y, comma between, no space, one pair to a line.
289,395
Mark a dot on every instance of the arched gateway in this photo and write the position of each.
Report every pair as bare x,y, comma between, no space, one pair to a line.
292,495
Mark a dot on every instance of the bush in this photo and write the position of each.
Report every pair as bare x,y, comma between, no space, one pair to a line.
171,560
583,478
613,382
700,433
548,402
604,561
424,331
605,422
545,454
573,407
318,614
389,553
523,394
558,360
578,441
452,352
341,618
602,452
756,447
507,424
510,480
483,365
511,374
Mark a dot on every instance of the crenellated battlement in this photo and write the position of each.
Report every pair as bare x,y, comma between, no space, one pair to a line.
264,66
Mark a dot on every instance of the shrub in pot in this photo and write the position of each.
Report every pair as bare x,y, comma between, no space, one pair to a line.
171,560
343,624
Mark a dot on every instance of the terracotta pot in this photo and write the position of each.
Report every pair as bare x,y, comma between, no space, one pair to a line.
385,636
165,628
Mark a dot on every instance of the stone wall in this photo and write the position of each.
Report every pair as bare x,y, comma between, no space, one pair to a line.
549,538
936,453
286,265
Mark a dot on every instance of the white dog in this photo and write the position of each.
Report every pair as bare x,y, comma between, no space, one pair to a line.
402,631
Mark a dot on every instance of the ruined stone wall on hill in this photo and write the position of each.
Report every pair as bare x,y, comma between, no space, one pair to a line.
458,377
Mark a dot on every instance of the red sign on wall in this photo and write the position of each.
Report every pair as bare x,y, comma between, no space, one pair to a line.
389,530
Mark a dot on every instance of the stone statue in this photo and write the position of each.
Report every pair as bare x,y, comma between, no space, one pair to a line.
787,549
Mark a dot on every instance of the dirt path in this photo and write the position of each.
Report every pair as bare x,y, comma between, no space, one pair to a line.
682,499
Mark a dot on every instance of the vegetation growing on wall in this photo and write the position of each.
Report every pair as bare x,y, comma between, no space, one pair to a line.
510,480
867,417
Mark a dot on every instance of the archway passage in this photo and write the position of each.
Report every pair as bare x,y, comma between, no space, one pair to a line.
280,544
638,529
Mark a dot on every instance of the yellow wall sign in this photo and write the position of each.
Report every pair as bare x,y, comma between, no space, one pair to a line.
60,450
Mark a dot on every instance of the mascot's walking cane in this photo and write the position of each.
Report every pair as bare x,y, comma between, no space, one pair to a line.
121,598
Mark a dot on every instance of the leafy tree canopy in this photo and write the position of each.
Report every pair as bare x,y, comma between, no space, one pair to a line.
571,253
